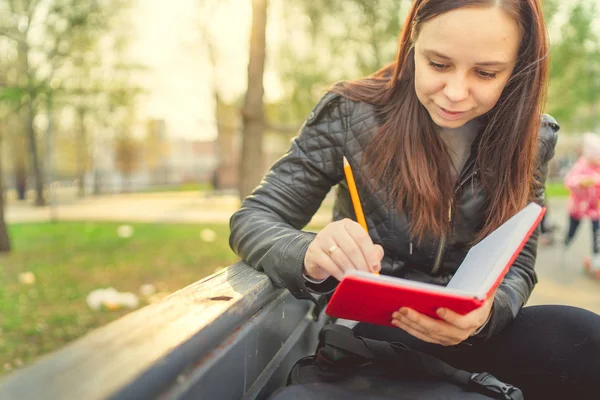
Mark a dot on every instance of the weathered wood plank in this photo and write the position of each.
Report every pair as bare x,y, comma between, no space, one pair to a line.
157,343
253,361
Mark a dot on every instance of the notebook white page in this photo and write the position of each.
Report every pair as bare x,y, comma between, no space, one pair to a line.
486,260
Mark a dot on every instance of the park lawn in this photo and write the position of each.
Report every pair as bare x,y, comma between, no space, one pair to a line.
556,189
71,259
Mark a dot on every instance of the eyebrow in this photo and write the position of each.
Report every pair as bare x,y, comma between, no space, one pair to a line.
481,64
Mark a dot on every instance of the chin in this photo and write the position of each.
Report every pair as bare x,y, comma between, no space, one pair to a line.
449,124
444,123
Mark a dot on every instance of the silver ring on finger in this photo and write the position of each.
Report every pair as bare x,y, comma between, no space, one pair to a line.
333,249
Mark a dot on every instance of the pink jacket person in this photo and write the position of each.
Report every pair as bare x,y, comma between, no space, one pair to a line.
583,181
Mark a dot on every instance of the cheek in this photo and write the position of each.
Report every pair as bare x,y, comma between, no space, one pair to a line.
427,82
487,96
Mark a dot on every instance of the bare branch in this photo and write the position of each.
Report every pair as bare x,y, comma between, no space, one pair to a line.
12,36
32,8
12,7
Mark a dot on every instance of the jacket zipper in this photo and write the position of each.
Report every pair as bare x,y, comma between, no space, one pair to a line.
440,250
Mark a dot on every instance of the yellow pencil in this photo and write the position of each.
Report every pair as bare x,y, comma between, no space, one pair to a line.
360,216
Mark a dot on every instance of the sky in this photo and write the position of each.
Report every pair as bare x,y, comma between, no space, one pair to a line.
168,41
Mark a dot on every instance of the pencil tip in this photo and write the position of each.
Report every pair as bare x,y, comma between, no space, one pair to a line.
346,163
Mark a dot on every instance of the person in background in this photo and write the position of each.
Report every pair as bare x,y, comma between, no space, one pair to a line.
583,182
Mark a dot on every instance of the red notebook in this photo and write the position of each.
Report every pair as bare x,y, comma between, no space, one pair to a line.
372,298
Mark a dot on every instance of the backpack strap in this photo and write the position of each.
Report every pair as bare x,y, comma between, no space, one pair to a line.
418,361
342,338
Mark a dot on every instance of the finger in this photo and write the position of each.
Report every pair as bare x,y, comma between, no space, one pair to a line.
413,322
365,243
440,339
351,257
411,331
433,334
470,321
369,251
423,332
433,327
380,251
322,260
339,257
464,322
352,249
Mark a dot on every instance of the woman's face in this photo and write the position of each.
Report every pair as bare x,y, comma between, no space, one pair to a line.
463,60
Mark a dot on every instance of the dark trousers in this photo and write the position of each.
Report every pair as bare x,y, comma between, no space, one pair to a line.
574,225
549,352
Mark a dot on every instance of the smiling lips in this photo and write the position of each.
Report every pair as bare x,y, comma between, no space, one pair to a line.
450,115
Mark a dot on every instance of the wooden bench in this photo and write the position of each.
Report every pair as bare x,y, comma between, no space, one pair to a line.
232,335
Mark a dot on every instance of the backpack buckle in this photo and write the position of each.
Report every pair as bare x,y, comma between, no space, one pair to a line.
490,385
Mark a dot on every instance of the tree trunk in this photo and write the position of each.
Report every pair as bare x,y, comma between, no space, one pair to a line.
49,161
28,116
21,178
82,156
251,164
33,150
4,238
97,183
227,117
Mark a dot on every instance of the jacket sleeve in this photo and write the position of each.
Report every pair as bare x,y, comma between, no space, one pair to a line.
515,289
266,230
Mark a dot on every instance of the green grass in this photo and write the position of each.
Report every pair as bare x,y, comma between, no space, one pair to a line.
556,189
71,259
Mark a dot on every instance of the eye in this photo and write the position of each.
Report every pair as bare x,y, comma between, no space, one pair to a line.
486,75
438,67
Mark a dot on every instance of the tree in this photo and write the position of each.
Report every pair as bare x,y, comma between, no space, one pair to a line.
28,112
322,45
83,74
4,238
228,132
127,152
156,150
14,144
251,168
47,35
335,50
574,90
9,102
226,113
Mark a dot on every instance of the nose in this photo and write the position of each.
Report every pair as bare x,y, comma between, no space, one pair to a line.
457,87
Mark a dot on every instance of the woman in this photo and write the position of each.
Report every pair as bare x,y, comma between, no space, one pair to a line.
446,143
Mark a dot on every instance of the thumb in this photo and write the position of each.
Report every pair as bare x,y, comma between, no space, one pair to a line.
380,251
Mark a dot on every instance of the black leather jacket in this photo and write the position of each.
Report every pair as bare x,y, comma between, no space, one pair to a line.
266,231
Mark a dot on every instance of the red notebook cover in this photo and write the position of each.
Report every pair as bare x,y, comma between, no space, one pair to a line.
373,298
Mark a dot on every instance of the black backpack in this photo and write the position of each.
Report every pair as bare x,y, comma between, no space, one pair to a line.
349,367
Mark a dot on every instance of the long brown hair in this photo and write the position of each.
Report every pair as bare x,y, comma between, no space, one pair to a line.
408,157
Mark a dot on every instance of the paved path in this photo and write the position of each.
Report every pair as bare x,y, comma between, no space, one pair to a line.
561,280
176,207
560,272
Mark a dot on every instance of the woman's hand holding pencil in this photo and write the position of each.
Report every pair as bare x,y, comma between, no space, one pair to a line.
343,245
